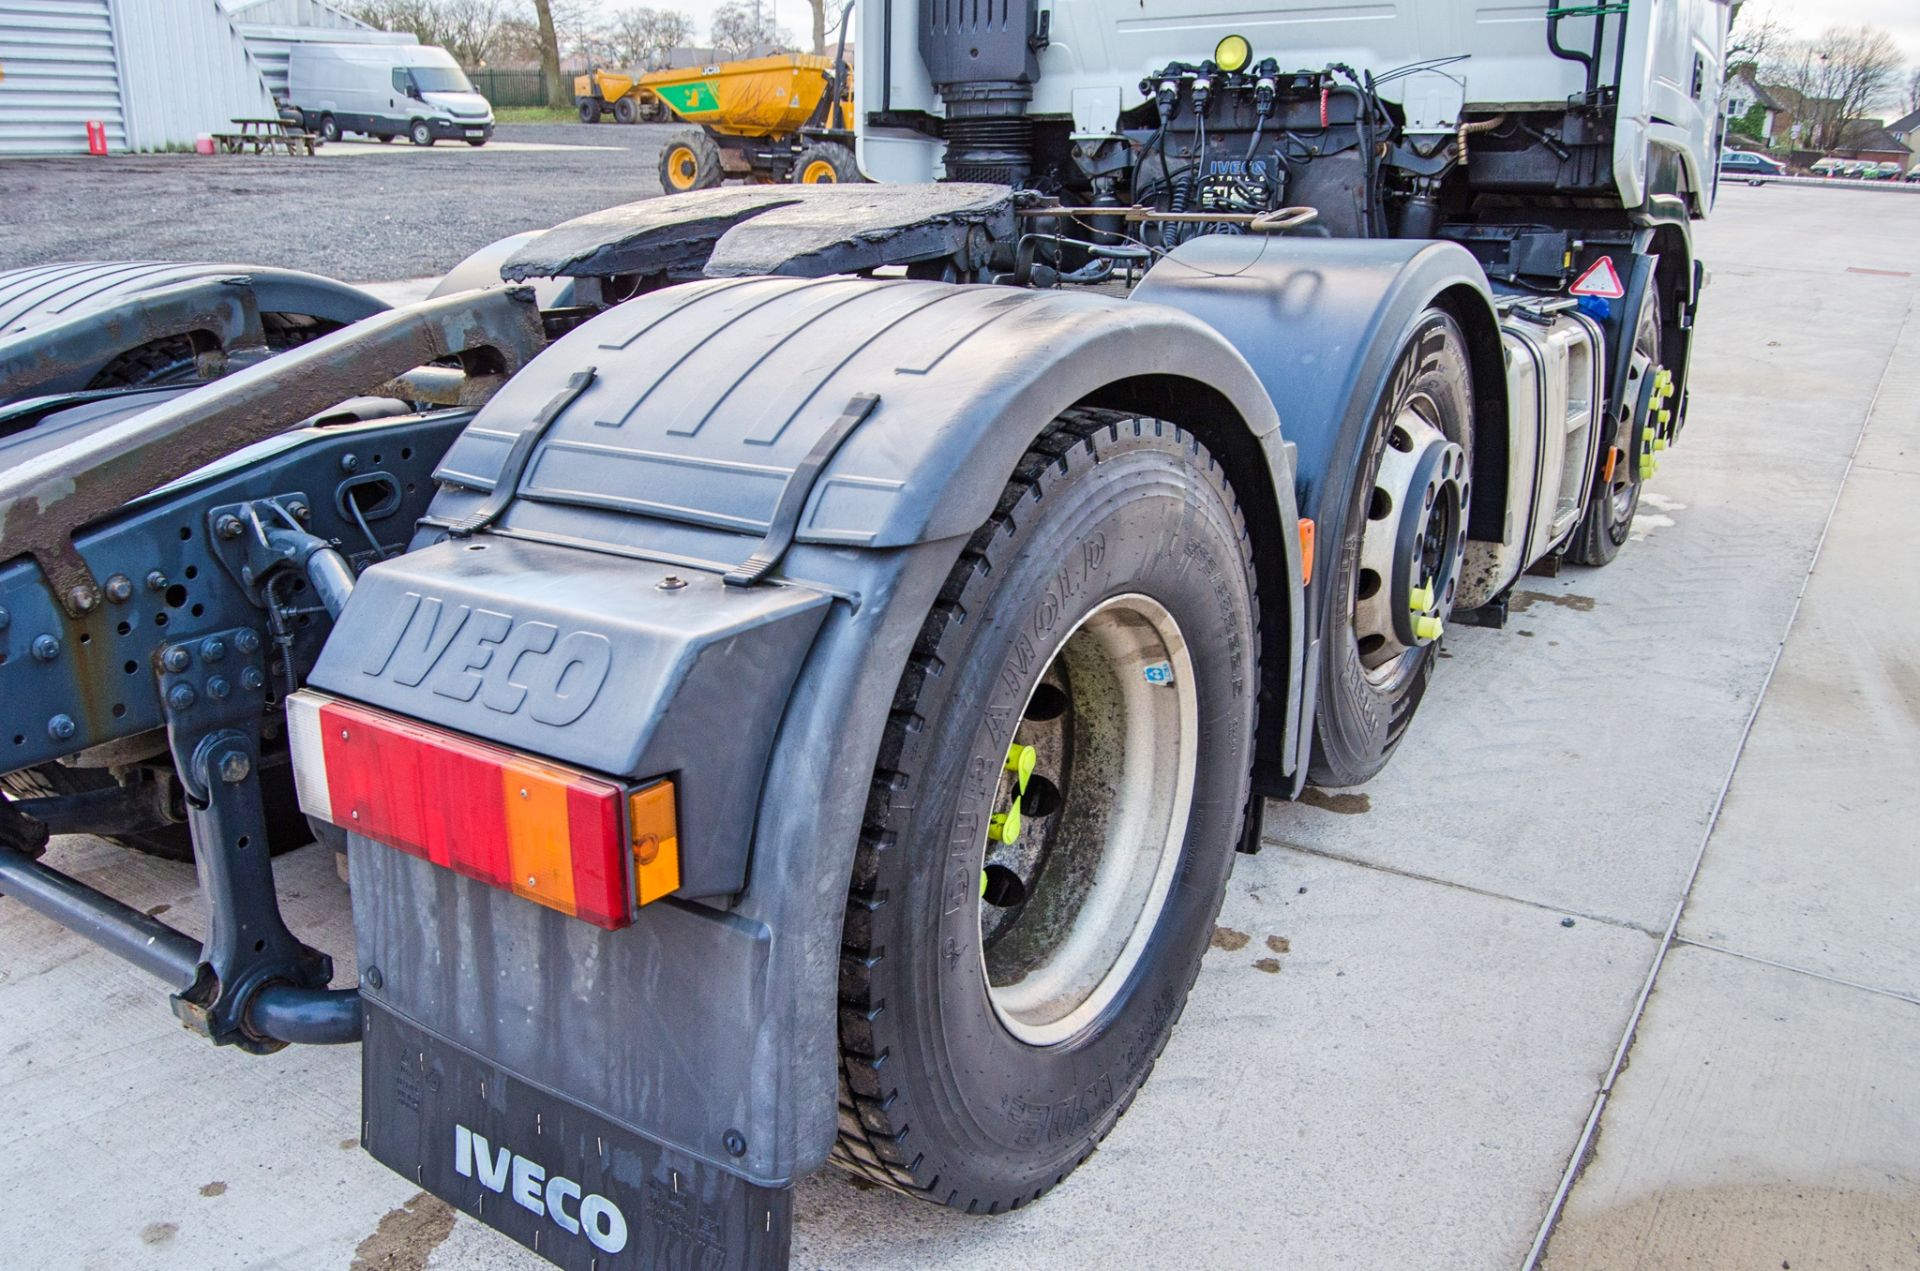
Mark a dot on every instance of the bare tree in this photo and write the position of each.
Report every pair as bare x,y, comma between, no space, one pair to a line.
741,28
1837,77
559,93
1913,90
1755,37
643,36
470,28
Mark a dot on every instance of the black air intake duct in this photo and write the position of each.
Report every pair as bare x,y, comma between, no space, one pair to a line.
981,55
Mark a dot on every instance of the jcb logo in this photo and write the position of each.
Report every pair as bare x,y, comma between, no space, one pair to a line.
462,652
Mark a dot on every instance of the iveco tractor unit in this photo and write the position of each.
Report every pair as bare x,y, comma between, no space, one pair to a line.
790,666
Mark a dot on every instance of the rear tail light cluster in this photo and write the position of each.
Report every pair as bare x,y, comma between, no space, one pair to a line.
587,846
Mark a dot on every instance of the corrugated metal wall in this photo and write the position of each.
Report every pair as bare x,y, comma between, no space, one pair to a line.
184,70
271,27
57,57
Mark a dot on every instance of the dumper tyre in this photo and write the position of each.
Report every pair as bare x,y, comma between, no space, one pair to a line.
287,826
825,163
690,161
1608,520
589,110
1003,995
1404,533
626,111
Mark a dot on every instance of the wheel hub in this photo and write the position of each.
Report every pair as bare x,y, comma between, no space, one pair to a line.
1412,543
1089,820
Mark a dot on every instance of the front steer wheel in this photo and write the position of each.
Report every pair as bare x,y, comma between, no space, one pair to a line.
1048,835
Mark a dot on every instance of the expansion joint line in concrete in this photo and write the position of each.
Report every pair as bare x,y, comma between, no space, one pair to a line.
1577,1160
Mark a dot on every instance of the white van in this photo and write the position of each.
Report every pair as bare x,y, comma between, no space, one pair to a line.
386,91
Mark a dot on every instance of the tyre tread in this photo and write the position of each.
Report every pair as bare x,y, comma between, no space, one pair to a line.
871,1141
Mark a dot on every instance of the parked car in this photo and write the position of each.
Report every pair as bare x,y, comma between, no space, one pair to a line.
416,91
1882,172
1828,167
1913,177
1745,165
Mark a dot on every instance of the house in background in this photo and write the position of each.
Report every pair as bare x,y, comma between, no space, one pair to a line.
1906,130
1754,107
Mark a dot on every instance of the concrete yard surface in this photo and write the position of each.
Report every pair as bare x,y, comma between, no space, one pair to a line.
1614,967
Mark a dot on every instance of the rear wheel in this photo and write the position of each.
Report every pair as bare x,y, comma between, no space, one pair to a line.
1049,832
420,132
825,163
626,111
1615,500
690,161
1397,567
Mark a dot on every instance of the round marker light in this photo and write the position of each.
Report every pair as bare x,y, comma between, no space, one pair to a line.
1232,53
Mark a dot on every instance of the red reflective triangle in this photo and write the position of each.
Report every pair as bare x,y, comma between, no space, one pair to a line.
1600,279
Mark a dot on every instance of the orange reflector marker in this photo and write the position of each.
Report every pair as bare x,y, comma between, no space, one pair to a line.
581,844
1306,550
1613,457
656,841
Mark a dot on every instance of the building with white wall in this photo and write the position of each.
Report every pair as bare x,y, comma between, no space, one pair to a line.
154,73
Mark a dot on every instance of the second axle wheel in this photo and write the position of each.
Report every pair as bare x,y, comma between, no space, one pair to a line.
1398,556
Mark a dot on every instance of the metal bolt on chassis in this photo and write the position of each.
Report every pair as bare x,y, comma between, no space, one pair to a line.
250,983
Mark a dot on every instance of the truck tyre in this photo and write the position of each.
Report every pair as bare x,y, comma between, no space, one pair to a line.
329,128
690,161
589,110
1006,982
625,111
1604,526
825,163
1396,560
420,132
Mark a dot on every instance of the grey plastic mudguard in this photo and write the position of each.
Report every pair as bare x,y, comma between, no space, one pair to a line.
703,1022
60,324
1320,321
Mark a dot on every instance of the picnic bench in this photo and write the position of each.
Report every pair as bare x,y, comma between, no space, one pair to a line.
261,136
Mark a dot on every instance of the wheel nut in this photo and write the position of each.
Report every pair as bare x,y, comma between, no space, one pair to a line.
60,727
46,647
1420,599
218,688
180,697
1425,628
251,678
228,526
247,640
156,581
176,658
119,589
212,649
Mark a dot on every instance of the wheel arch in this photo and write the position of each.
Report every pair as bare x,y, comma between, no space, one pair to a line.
1216,421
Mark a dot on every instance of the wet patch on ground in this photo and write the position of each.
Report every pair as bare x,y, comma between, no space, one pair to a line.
1229,939
1525,600
406,1237
1344,802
